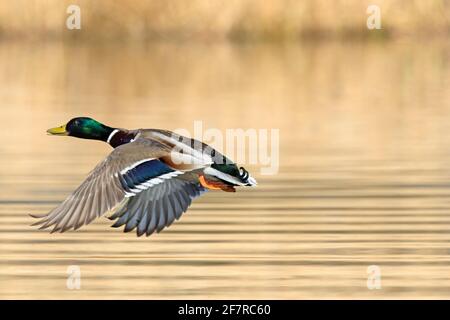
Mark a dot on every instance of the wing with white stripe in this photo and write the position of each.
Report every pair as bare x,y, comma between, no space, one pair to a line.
157,207
145,174
127,171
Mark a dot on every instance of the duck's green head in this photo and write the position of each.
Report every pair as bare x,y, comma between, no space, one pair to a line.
82,127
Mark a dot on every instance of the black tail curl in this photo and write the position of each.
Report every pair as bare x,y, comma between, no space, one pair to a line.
243,174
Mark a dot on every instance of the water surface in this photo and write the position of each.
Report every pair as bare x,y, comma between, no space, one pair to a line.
364,176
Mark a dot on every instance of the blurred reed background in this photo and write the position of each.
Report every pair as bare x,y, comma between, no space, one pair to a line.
214,19
364,122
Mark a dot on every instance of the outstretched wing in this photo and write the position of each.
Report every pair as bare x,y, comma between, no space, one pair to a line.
129,181
158,206
103,189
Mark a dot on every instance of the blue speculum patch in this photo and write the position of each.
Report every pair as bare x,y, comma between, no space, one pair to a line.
142,173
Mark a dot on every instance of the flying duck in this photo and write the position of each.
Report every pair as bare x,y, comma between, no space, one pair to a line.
147,182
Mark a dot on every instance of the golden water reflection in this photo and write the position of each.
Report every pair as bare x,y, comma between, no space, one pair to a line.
363,179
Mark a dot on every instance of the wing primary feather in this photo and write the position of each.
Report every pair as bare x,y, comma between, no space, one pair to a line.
143,223
170,211
162,216
135,214
178,210
156,210
62,224
153,222
72,222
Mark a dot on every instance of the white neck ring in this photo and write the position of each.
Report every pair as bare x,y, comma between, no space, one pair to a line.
112,135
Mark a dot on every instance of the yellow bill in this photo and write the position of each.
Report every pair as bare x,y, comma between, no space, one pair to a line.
58,131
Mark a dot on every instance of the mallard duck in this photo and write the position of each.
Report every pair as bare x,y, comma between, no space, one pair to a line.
147,182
